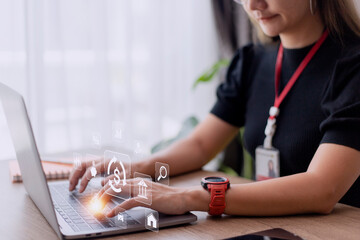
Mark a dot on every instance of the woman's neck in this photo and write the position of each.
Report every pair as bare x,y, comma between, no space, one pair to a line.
305,34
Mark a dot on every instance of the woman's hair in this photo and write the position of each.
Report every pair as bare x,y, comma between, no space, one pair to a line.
339,16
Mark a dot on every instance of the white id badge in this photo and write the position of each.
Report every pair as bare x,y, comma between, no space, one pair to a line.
267,163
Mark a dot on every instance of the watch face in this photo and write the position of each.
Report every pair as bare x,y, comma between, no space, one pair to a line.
215,179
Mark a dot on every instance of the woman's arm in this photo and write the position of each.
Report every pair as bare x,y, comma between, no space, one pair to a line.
331,173
206,141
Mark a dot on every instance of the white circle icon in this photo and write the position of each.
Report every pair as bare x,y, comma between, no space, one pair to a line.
116,179
162,169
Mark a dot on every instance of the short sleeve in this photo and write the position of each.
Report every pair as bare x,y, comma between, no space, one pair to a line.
231,99
341,104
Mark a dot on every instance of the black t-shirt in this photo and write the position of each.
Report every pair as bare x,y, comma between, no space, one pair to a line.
322,107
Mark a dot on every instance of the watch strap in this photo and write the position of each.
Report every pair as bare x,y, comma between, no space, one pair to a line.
217,203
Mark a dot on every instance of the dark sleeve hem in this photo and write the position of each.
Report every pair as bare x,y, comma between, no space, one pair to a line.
343,135
228,114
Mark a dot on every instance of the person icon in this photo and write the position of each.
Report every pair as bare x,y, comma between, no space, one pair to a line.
271,172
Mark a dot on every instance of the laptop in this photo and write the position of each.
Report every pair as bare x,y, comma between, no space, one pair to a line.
68,212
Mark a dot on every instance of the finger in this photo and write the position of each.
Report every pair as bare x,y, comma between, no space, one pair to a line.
110,177
76,174
104,181
103,190
87,175
128,204
107,193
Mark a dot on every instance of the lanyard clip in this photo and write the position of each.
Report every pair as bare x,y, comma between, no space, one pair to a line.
269,132
274,112
271,127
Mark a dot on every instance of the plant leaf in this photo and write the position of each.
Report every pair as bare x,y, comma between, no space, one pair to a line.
209,74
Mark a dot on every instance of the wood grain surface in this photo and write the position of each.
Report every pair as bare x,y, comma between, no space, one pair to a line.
20,219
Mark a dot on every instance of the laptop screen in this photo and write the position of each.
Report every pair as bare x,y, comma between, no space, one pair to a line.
27,153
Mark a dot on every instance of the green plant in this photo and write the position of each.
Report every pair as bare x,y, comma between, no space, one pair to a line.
211,73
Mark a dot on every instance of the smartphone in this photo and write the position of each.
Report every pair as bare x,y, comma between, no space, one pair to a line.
271,234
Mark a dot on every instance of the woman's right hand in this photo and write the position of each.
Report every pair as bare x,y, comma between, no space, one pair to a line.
83,171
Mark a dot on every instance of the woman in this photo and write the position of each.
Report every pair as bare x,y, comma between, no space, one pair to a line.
317,130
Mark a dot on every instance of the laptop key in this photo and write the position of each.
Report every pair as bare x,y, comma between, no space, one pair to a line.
107,224
90,221
111,224
66,207
131,222
72,214
67,211
96,226
82,212
75,218
83,227
78,221
88,218
68,220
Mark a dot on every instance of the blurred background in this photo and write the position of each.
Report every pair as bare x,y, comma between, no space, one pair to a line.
85,66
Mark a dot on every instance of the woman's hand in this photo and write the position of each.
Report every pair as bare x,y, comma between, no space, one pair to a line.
165,199
84,172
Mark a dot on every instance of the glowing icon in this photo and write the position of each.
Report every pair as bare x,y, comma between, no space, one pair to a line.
142,189
96,140
117,131
162,170
117,168
151,221
118,134
77,160
138,149
93,169
162,173
77,163
120,217
116,181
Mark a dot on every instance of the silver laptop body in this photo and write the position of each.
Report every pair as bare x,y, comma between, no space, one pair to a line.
51,197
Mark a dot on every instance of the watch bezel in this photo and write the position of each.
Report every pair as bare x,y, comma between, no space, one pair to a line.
205,182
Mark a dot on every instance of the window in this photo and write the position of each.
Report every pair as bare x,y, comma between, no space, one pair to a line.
81,65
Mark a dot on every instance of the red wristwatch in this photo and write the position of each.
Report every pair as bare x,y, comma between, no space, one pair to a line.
217,187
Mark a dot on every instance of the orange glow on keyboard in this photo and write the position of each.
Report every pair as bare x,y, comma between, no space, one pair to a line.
96,205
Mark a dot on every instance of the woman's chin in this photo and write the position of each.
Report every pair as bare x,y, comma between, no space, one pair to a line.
270,32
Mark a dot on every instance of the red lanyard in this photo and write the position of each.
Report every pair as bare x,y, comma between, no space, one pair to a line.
295,76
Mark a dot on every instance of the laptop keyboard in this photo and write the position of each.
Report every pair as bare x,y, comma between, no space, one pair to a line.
71,206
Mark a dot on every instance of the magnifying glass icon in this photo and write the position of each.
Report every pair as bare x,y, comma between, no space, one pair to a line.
162,168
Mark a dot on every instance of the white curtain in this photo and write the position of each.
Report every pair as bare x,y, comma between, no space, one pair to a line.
85,65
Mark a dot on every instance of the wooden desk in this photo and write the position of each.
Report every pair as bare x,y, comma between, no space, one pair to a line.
20,219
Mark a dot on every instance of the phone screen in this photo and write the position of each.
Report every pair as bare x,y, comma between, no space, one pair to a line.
271,234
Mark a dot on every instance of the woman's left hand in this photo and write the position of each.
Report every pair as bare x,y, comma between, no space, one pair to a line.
165,199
